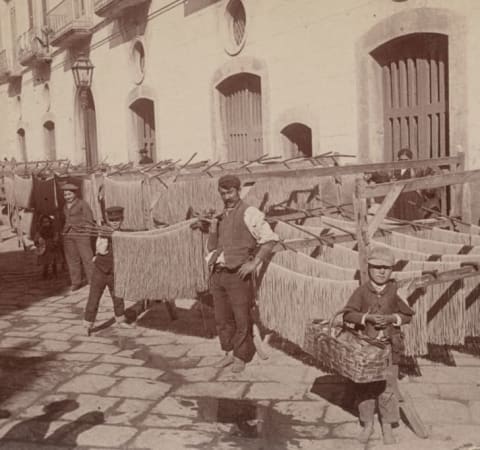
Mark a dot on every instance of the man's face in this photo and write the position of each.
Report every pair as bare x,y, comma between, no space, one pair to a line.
380,274
115,223
404,157
69,196
229,196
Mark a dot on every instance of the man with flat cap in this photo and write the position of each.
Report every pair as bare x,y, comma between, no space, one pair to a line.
144,158
239,241
77,247
103,272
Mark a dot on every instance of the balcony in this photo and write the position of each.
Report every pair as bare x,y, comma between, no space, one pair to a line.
70,21
9,68
114,8
32,47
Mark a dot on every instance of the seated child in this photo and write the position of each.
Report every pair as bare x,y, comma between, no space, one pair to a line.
378,309
103,271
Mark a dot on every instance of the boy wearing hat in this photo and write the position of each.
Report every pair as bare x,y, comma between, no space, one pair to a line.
239,240
77,248
378,309
103,273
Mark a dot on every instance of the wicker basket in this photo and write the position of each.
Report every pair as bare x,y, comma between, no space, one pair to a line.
347,352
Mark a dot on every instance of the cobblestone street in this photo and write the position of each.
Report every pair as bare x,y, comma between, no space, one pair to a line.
155,387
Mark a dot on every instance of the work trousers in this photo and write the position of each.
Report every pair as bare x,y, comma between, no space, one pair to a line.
78,253
385,393
233,300
100,280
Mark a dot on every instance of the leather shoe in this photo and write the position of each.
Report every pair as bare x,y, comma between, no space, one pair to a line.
225,361
238,365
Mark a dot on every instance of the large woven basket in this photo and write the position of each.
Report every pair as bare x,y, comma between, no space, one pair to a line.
346,351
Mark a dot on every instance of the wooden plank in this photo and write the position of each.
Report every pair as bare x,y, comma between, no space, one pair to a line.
360,211
258,172
402,66
431,182
387,203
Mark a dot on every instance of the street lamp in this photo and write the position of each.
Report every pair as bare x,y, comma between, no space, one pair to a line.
82,70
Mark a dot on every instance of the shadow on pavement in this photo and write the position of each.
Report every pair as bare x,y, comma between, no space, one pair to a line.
35,429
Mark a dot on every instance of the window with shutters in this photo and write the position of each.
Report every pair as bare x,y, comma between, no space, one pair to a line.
235,26
297,140
415,94
22,144
144,125
241,116
49,140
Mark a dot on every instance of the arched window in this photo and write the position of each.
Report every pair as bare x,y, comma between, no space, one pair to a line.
22,144
415,94
49,140
297,140
143,114
241,116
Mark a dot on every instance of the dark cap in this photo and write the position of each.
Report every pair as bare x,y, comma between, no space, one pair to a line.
114,212
405,151
69,187
229,182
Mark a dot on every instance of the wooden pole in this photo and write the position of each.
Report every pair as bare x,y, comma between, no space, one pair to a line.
360,211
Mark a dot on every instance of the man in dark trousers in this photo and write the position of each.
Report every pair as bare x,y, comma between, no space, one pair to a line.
239,241
102,275
77,247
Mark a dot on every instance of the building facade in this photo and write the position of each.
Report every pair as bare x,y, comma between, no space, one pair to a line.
235,79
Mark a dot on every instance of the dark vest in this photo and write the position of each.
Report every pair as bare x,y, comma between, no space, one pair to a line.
234,238
105,262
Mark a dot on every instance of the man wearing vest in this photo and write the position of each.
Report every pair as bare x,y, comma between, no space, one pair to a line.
102,275
239,240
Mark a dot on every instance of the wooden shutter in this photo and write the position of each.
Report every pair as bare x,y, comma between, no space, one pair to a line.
50,144
241,116
144,116
415,95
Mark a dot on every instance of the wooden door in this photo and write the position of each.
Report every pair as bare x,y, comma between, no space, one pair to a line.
144,125
415,95
241,116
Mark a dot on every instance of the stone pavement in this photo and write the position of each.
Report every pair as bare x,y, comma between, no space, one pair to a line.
154,386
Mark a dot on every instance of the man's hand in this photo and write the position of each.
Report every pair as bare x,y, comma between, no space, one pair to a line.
208,223
380,320
247,268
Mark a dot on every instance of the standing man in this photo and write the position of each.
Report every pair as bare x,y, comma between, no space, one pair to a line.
239,241
77,248
144,158
103,273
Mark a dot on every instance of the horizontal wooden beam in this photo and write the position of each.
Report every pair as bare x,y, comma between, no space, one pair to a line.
430,182
275,170
296,244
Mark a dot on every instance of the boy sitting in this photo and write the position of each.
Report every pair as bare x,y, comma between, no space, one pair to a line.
378,309
102,275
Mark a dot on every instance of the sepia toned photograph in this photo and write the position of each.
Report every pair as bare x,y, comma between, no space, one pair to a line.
239,224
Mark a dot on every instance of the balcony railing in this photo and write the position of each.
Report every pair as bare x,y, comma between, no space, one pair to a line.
69,21
32,47
114,8
9,67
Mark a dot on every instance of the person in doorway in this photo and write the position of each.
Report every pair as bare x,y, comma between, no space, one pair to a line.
408,204
76,243
144,157
378,309
103,272
239,241
47,246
